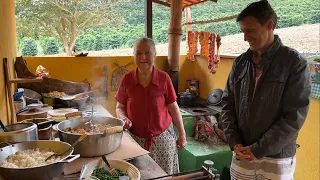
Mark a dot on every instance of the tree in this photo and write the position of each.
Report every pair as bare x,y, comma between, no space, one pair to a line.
29,47
65,19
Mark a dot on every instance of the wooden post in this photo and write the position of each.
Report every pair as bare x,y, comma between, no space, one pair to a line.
148,18
175,33
9,91
188,18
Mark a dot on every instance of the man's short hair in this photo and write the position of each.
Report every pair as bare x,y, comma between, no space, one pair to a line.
261,10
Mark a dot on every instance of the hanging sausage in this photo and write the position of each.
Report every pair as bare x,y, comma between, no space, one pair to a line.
211,58
217,62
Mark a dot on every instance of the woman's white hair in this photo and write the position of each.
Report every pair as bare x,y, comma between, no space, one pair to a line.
147,40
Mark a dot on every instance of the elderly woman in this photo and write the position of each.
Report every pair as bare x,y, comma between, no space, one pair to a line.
147,103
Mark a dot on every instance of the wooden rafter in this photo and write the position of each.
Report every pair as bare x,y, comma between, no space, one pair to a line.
185,3
212,20
194,3
161,2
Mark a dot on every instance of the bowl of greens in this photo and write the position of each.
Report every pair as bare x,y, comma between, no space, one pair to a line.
97,170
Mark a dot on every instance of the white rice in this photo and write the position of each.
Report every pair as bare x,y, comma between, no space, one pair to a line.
29,158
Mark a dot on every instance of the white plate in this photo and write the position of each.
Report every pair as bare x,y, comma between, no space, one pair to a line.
130,169
61,112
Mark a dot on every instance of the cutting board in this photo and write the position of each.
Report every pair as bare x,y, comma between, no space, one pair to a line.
29,115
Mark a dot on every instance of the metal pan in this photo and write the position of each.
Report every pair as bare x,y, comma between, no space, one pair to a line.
93,145
46,172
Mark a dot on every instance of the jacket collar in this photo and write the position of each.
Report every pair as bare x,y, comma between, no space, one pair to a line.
154,80
266,57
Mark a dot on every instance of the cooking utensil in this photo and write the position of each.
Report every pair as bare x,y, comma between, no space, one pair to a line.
19,132
187,99
72,97
71,147
45,172
44,127
89,125
108,168
3,126
96,144
215,97
31,96
124,178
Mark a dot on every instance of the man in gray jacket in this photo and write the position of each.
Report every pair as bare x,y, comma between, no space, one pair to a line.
268,95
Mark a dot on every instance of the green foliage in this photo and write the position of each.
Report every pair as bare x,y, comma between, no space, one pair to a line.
88,42
49,45
315,18
29,47
64,19
117,31
297,20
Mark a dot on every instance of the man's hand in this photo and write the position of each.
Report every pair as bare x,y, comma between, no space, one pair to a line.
240,154
246,150
181,142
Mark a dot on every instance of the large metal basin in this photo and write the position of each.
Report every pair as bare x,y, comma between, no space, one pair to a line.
18,133
46,172
92,145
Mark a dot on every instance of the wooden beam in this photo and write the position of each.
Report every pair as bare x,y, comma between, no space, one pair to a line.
161,2
25,80
213,20
195,3
148,18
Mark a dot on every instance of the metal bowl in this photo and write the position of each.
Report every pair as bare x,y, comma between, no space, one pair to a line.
31,96
18,132
92,145
46,172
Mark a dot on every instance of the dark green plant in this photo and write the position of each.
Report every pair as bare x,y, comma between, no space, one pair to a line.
29,47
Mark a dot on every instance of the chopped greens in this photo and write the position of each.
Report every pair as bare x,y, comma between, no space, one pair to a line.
102,174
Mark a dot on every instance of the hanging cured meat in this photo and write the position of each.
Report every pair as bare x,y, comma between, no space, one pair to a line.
211,58
192,44
217,62
204,42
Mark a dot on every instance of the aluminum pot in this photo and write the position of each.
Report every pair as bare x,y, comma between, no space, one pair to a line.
46,172
92,145
45,132
18,132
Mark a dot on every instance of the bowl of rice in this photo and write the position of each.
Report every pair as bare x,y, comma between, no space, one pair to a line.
26,160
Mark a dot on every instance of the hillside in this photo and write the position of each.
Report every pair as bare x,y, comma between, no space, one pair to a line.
304,38
290,12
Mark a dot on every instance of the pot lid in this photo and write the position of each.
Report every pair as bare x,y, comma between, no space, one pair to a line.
215,96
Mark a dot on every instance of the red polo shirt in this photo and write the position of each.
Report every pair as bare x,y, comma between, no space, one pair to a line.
147,106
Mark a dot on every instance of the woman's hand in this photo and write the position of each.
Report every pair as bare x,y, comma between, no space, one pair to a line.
181,142
127,123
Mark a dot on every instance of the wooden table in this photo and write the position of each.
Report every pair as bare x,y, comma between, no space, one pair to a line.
147,166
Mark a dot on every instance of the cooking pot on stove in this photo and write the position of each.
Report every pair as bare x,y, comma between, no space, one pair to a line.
187,99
